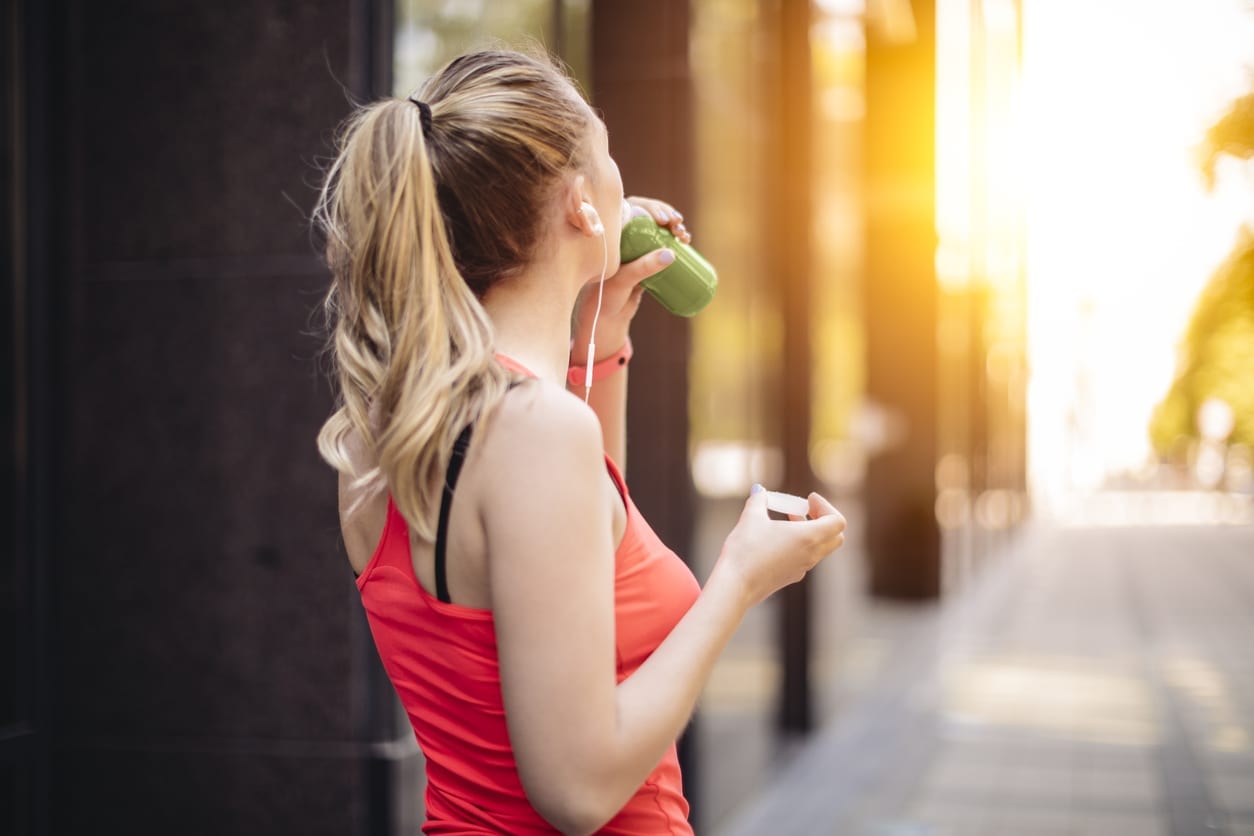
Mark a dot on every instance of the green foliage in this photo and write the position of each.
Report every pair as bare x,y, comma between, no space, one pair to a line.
1233,134
1216,357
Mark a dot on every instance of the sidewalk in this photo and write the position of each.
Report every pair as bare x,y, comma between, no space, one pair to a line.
1094,681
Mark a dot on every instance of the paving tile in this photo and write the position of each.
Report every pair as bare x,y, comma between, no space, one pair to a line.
946,816
906,827
1227,761
1119,824
1239,826
1126,787
1046,754
969,776
1143,758
1040,785
1233,791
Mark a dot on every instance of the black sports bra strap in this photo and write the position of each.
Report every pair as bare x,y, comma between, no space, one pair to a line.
446,504
455,463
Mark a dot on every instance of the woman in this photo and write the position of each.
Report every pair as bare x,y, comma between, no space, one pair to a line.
547,647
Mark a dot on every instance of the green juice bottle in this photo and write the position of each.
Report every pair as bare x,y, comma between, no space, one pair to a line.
683,288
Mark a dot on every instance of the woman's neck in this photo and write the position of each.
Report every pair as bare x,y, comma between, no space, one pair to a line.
531,314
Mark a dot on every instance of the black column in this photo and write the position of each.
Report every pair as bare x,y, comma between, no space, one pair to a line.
790,255
210,672
902,536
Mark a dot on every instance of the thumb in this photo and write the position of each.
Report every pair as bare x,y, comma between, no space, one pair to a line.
649,264
755,505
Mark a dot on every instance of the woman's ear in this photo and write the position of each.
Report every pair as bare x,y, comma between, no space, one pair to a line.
576,207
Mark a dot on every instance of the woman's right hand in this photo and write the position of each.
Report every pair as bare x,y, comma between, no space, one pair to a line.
766,555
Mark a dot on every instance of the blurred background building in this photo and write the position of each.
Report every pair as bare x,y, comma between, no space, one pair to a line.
986,271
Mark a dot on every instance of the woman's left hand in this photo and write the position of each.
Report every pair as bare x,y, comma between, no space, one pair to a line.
623,290
665,215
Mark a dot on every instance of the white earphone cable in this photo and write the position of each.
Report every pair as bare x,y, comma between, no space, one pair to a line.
592,345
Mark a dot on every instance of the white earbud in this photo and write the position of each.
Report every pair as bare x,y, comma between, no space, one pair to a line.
590,212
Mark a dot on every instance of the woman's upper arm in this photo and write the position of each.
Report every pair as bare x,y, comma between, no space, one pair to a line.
551,572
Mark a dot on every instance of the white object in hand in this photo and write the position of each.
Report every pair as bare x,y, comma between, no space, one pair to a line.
786,503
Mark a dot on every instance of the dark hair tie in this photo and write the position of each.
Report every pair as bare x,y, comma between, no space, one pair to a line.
424,114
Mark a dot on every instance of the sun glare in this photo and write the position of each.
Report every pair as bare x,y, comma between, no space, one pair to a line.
1121,234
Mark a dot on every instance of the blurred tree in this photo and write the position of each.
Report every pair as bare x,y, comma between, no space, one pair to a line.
1217,353
1233,134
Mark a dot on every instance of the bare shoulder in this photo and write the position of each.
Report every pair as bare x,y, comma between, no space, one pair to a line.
542,447
542,422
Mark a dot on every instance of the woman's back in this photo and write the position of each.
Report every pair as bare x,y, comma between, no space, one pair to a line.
442,658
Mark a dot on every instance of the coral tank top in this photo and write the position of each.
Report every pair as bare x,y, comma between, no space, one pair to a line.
442,659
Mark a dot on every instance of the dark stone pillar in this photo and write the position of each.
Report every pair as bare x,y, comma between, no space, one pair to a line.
210,668
902,537
642,84
26,164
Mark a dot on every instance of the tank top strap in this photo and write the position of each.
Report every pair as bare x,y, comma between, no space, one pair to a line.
393,548
616,476
513,365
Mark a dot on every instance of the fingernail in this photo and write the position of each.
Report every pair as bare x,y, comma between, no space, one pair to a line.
666,256
662,217
756,489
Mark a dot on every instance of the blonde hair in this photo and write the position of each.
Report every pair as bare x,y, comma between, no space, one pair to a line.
419,225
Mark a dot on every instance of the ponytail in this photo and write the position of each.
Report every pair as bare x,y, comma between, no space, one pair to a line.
424,210
412,346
